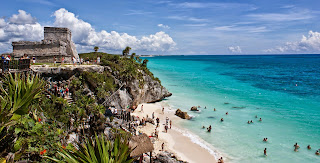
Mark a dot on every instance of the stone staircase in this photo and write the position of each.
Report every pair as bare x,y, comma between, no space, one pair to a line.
69,99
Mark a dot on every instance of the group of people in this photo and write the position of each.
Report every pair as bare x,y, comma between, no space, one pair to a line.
296,147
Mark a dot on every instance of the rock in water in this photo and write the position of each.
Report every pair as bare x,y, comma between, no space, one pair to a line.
194,108
183,115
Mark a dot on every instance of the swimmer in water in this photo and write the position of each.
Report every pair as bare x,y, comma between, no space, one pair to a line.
227,113
309,147
296,147
265,151
260,120
203,127
317,153
248,122
221,120
256,116
251,121
214,109
209,129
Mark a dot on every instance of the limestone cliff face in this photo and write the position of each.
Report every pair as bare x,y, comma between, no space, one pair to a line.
128,94
133,93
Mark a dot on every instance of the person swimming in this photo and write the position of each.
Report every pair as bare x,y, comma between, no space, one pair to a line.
260,120
248,122
317,153
309,147
265,151
227,113
251,121
221,119
214,109
296,147
256,116
209,129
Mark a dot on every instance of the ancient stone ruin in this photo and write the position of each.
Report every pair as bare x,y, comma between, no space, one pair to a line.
56,43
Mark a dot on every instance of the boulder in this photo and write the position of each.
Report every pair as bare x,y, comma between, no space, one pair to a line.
183,115
194,108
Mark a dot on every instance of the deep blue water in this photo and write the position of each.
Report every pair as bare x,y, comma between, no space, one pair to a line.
282,89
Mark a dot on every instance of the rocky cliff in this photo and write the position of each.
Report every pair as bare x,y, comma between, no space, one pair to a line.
130,93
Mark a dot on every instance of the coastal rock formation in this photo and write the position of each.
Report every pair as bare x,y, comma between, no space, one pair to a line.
194,108
56,43
181,114
128,94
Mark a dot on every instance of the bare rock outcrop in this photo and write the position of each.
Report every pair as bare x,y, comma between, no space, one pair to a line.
181,114
194,108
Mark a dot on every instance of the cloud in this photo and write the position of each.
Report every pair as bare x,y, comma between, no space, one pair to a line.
23,26
44,2
187,18
235,49
195,25
309,44
163,26
85,35
198,5
137,12
236,28
22,18
279,17
20,26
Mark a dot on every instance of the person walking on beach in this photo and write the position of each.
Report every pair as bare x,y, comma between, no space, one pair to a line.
162,110
141,108
162,146
158,121
265,151
170,123
152,115
166,128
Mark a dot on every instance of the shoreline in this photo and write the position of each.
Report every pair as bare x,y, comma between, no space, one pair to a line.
178,140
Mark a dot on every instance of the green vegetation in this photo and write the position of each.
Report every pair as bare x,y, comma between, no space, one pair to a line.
99,150
96,49
35,127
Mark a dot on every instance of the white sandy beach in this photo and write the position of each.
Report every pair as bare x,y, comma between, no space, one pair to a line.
175,142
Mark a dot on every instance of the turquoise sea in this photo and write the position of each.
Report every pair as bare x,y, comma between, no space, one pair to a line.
284,90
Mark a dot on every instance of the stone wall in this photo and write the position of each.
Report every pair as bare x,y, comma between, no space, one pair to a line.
57,42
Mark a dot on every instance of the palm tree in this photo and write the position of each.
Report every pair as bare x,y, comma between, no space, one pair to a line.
133,55
126,51
144,63
96,49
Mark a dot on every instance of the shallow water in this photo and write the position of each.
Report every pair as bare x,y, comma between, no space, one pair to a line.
284,90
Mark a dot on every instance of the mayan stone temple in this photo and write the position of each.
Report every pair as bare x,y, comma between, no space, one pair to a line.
56,43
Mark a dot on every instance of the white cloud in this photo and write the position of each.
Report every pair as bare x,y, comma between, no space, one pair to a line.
235,49
195,25
163,26
22,18
23,26
85,35
187,18
279,17
20,26
138,12
236,28
309,44
199,5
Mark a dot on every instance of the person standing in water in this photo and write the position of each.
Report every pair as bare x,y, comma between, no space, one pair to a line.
309,147
265,151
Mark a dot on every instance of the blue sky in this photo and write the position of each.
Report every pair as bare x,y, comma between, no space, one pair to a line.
170,27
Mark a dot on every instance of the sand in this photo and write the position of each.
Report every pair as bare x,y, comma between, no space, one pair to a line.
174,141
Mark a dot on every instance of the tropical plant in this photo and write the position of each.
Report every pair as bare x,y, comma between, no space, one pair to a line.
126,51
17,95
98,150
96,48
